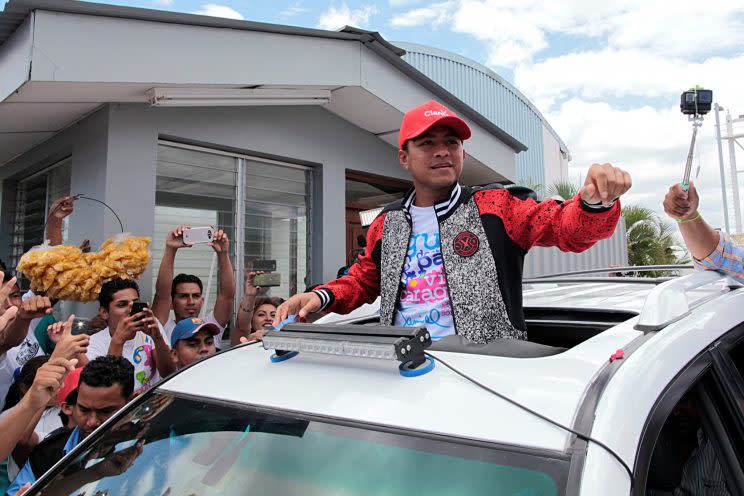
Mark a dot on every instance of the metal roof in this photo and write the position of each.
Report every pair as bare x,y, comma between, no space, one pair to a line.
479,100
16,11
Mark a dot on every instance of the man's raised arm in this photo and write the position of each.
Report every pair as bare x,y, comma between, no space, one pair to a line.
574,225
710,249
161,302
223,306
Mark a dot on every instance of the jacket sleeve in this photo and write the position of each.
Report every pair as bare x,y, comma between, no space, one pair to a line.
568,225
362,284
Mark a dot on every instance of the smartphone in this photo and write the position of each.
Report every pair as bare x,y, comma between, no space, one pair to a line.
198,235
138,306
263,266
80,326
268,280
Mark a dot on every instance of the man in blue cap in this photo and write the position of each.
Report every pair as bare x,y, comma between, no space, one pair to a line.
191,340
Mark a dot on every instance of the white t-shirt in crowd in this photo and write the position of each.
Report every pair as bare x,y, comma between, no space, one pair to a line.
425,297
168,327
140,352
12,361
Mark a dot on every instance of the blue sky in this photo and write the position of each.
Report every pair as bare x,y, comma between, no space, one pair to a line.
607,75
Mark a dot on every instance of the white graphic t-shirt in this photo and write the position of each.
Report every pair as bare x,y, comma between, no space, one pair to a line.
425,297
171,324
140,352
15,358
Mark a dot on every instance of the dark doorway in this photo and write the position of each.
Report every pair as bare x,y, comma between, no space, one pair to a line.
366,192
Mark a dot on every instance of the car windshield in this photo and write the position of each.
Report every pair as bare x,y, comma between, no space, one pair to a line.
170,445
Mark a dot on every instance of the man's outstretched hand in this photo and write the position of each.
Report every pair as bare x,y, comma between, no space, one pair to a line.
604,183
302,305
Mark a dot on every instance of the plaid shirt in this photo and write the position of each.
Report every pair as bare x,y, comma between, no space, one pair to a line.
728,257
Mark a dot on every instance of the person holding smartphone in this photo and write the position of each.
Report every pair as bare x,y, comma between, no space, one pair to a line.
132,332
184,293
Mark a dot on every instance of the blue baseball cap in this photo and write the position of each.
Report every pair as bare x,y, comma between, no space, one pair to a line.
189,327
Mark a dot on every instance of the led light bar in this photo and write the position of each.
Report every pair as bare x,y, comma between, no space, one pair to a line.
404,344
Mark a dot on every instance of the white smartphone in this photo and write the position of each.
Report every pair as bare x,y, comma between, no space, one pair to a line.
198,235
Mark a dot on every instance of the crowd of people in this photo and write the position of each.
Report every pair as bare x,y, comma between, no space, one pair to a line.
57,386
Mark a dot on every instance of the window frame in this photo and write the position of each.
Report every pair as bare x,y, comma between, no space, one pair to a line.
238,242
713,360
19,185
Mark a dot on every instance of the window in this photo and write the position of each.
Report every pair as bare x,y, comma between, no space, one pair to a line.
685,458
276,221
194,446
201,187
195,189
698,448
33,197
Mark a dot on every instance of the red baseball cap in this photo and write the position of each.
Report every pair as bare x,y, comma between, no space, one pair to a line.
72,380
430,114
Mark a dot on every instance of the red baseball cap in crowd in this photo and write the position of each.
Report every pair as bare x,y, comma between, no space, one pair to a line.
430,114
72,380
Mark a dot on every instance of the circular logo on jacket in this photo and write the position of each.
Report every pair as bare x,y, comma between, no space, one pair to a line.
466,244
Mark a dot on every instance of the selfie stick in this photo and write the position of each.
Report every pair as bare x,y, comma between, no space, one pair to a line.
696,123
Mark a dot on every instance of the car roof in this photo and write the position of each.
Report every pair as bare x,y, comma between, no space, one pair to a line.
590,295
441,402
372,391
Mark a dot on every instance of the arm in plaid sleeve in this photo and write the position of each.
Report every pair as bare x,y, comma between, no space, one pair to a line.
727,258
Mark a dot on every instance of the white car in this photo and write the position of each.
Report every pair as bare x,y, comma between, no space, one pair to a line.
626,387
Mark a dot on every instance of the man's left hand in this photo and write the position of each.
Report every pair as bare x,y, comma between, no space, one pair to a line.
220,243
604,184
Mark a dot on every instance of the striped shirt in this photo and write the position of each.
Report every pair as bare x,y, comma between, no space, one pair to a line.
701,474
728,257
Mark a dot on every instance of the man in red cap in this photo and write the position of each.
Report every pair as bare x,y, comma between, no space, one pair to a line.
450,257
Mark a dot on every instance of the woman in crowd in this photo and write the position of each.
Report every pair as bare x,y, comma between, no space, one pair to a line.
255,315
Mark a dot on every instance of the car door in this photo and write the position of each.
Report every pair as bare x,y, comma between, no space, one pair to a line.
693,441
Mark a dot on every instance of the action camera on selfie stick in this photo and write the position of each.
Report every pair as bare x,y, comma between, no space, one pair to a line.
694,103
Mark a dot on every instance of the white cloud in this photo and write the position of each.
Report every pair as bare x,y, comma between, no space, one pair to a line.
163,3
685,28
620,73
336,18
293,10
215,10
403,3
515,31
434,16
